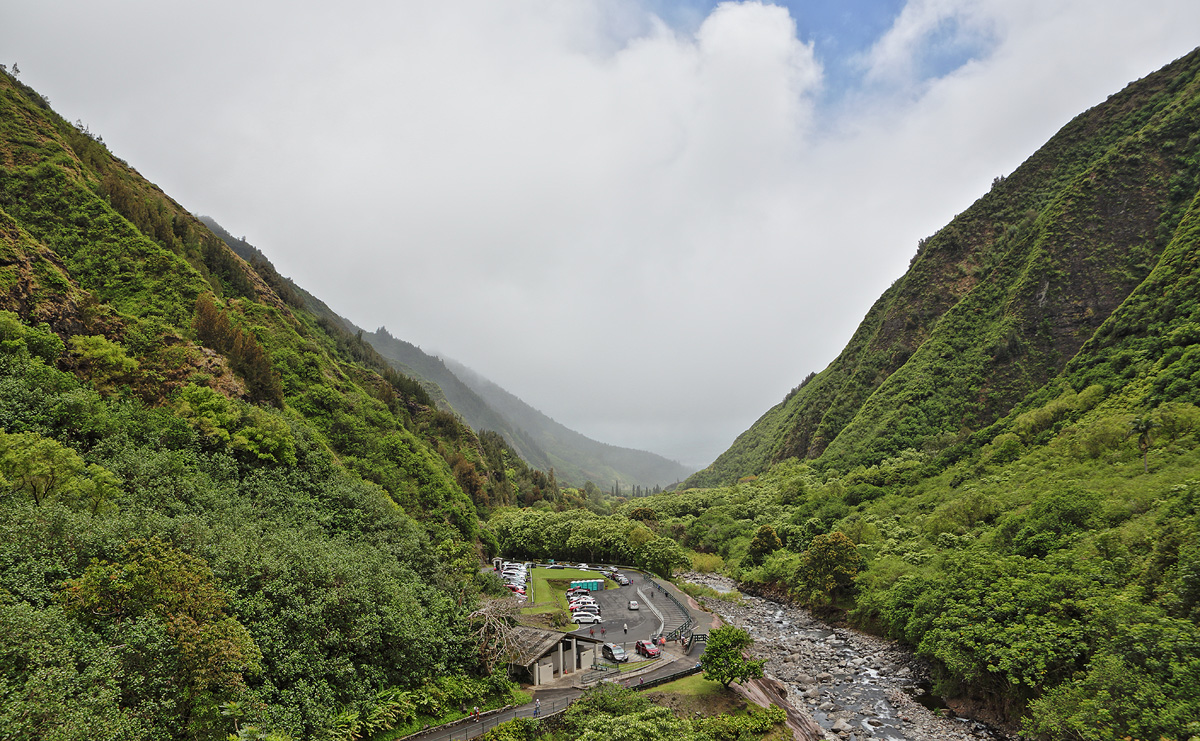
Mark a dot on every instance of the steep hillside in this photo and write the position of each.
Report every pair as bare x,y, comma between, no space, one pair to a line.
219,508
458,395
1001,468
574,457
999,301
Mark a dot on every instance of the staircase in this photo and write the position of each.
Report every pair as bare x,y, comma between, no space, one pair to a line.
694,638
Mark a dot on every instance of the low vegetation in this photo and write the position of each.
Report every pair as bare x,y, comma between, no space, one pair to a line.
610,712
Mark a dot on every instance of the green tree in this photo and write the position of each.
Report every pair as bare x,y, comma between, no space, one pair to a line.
661,556
764,543
651,724
44,470
827,567
103,361
178,594
722,660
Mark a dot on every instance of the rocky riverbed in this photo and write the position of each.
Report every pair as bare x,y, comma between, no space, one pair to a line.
855,686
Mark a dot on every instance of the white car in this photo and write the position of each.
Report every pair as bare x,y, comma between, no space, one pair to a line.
633,605
587,603
585,617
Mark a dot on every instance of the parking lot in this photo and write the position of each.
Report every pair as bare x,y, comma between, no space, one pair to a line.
541,590
614,609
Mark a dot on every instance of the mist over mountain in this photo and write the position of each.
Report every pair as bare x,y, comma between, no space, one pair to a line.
574,457
539,440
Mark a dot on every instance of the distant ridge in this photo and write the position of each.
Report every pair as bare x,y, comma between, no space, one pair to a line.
575,457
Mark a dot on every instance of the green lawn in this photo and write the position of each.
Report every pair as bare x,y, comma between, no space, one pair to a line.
694,686
632,665
550,585
548,588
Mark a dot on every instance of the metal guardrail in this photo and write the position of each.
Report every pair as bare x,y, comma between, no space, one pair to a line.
668,678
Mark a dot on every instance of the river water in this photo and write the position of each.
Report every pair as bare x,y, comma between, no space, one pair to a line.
855,686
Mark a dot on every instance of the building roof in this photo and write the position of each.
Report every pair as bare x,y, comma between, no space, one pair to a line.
531,644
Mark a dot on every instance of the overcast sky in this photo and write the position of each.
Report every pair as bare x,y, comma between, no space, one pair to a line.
649,219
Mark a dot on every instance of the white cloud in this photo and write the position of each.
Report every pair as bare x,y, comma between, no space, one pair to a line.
649,233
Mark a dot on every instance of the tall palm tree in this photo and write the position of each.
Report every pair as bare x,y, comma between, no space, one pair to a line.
1143,427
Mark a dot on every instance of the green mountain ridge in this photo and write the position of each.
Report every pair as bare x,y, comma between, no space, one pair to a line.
459,396
996,304
1002,468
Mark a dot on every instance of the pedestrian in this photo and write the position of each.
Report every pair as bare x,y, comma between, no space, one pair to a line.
625,627
475,714
641,681
537,707
602,631
592,631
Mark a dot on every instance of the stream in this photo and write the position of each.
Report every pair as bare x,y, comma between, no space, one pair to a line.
855,686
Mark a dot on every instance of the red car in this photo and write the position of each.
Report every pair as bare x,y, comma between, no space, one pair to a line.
647,649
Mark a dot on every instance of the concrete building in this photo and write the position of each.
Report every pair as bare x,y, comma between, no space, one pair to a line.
545,656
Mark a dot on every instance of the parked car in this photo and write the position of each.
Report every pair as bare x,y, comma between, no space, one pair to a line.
586,607
582,601
613,652
647,649
622,580
583,567
585,617
633,605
